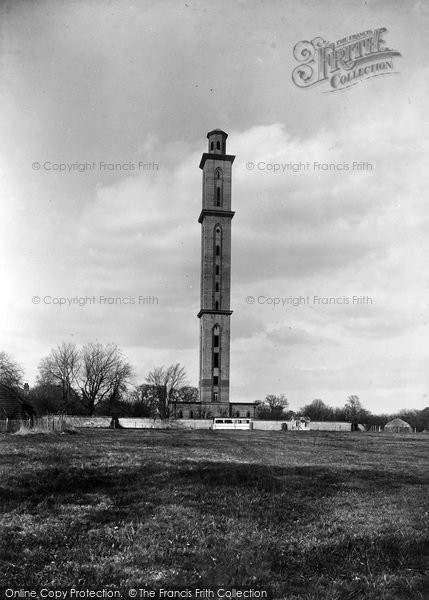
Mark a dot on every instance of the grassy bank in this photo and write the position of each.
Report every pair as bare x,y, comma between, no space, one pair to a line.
311,516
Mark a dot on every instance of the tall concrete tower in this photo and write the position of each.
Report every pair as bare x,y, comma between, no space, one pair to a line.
215,313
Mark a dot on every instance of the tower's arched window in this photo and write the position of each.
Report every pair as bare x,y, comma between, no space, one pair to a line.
212,146
216,356
218,183
217,251
191,414
216,336
217,145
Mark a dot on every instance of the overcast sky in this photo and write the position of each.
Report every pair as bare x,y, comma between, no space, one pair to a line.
128,82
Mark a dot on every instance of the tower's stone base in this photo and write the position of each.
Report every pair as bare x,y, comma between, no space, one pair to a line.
209,410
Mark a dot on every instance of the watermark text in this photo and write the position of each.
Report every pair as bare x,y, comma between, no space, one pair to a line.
95,300
87,167
315,166
286,301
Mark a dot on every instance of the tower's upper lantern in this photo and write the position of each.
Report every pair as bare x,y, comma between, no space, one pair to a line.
217,141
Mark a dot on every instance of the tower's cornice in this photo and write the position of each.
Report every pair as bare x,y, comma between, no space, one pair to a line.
211,212
209,155
214,131
207,311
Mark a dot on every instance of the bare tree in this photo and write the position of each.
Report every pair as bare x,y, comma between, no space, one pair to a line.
61,368
166,383
104,374
11,373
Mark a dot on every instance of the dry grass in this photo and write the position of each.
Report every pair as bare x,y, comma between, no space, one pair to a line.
42,428
23,430
311,516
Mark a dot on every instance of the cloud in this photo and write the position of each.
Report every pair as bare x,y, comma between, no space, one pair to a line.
304,234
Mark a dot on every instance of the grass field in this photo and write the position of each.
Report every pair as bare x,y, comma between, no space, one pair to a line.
310,516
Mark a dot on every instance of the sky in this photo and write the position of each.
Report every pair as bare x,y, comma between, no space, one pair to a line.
91,84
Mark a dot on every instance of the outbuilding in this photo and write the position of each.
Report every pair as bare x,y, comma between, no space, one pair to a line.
398,426
13,404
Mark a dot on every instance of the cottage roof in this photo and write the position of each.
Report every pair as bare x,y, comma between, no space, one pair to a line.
397,423
12,403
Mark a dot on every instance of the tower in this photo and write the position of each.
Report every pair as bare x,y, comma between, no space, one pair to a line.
215,313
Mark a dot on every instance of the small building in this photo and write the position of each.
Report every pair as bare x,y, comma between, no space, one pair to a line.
398,426
14,404
296,424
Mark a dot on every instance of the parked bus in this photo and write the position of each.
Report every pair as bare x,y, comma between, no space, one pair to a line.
230,423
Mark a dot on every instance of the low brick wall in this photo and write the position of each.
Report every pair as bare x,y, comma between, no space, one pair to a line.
196,423
330,426
54,422
91,422
314,425
135,423
142,423
268,425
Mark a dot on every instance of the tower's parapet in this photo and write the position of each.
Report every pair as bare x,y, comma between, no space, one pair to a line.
217,141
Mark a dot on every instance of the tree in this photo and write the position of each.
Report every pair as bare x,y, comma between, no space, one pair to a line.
11,373
354,411
143,401
165,384
104,374
272,407
417,419
377,421
132,406
318,411
423,419
48,398
274,401
61,368
188,393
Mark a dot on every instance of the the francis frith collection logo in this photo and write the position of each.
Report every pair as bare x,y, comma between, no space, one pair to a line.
343,63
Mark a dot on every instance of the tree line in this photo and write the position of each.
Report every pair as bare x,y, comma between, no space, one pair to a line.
98,379
275,407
